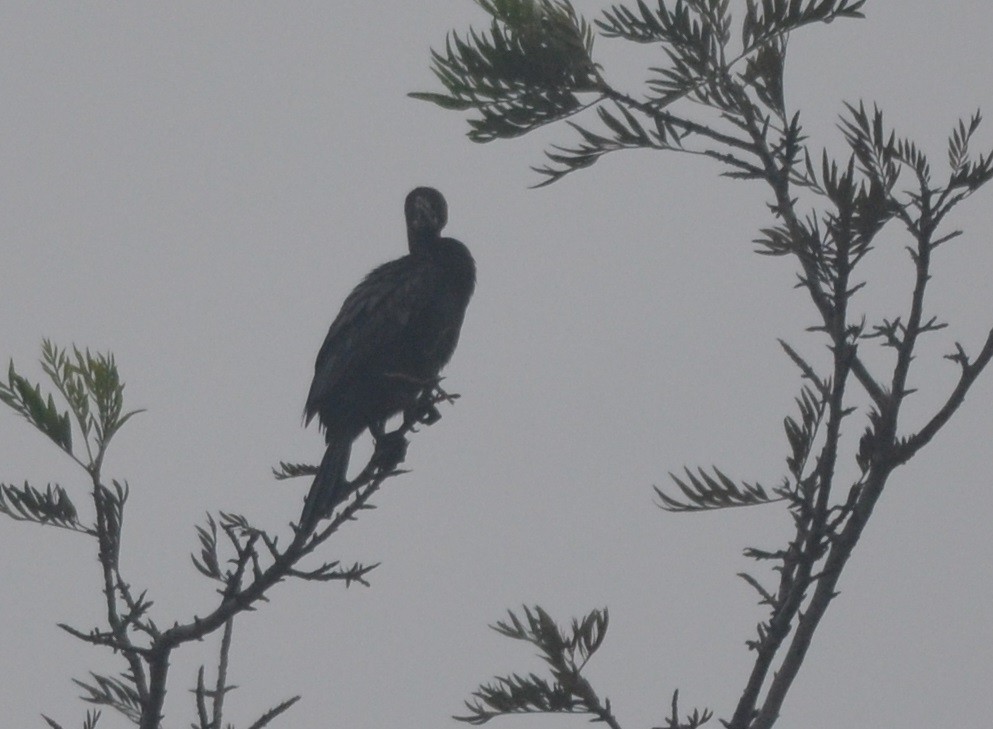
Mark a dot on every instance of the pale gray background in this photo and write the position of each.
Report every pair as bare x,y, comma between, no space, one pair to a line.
197,186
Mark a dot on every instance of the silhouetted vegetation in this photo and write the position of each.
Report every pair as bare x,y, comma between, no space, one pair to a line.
719,95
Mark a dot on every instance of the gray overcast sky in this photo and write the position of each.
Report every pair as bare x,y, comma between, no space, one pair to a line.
196,186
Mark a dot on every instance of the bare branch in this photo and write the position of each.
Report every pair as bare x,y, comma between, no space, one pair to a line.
970,371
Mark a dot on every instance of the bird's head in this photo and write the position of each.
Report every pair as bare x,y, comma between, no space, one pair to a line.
426,212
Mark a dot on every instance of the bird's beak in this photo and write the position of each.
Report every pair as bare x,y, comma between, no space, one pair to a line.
423,217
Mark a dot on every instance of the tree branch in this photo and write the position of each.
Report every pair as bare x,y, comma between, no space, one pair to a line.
970,371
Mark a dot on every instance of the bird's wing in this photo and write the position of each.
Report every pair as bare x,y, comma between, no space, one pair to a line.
373,316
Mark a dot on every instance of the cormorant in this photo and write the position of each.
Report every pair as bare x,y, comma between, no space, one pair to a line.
394,333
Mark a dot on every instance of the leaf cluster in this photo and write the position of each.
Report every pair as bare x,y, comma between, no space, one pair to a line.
703,491
566,656
118,693
90,722
51,506
91,387
93,395
693,35
516,78
566,653
526,71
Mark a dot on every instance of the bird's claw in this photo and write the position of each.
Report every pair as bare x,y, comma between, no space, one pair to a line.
427,414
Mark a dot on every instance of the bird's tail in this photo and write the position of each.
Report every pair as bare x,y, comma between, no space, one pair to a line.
329,487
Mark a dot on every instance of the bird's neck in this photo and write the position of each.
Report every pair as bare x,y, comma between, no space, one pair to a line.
420,242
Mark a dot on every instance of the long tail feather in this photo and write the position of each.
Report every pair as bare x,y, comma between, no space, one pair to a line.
329,486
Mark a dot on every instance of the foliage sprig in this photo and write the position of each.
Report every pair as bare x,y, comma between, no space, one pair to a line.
566,655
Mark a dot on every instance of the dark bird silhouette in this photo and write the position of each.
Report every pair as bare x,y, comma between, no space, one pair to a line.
394,333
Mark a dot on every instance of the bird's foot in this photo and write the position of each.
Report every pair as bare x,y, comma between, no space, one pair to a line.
423,413
438,395
425,410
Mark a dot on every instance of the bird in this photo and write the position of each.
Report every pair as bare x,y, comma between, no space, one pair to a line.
393,335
